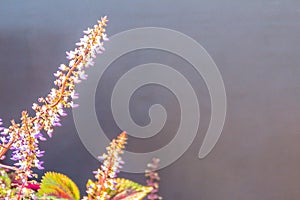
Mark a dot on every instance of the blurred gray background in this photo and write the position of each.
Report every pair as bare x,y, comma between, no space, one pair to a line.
256,46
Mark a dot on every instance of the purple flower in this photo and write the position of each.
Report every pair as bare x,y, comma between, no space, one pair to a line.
50,133
39,136
38,164
40,153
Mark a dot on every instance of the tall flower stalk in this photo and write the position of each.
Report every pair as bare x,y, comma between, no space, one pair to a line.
153,179
106,174
23,138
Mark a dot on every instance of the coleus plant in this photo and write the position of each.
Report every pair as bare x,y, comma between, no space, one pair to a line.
22,139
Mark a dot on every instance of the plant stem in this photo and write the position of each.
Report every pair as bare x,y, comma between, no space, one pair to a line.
8,167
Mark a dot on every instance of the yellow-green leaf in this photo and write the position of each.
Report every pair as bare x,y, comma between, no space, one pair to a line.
129,190
58,185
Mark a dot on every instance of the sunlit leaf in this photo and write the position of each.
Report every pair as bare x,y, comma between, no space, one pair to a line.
129,190
58,185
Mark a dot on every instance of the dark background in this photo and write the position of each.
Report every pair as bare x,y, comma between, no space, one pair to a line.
256,46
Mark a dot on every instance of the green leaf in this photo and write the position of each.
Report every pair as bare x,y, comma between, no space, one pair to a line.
4,178
5,183
52,198
58,185
129,190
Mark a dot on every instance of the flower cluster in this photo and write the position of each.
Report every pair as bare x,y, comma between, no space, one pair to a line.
153,179
106,174
23,138
26,151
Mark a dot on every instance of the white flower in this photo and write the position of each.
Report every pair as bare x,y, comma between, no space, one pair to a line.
88,31
63,67
71,54
104,36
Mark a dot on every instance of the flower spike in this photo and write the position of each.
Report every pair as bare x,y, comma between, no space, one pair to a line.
23,138
106,174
